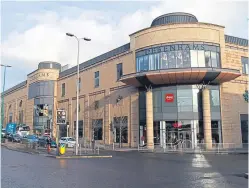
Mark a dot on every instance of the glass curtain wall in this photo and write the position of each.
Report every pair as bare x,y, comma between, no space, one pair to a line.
180,55
42,92
180,120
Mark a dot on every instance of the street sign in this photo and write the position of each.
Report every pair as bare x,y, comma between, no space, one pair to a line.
61,117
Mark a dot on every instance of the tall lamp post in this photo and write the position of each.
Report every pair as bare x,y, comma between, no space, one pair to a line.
77,89
2,97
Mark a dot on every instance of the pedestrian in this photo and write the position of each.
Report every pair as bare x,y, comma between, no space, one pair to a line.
48,144
93,144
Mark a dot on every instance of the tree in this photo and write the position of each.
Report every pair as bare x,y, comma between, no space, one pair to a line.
120,121
245,95
95,111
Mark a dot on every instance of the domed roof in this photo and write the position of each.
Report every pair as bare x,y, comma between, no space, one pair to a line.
49,65
176,17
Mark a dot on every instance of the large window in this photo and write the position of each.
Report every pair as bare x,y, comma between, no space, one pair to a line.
182,55
244,127
97,129
79,84
184,100
63,89
96,79
80,128
215,97
120,128
20,119
42,88
10,117
244,61
119,70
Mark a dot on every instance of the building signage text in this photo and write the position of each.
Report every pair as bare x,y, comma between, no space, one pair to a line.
176,47
39,75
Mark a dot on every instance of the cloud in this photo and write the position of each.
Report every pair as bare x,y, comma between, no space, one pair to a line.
46,39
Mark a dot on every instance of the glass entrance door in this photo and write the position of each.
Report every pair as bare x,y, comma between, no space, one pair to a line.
179,134
186,138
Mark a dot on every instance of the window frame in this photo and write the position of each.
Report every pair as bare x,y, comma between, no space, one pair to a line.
96,79
63,89
119,69
244,63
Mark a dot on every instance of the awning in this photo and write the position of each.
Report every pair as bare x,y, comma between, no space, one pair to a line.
181,76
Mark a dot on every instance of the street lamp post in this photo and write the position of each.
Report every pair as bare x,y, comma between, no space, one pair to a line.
2,96
77,89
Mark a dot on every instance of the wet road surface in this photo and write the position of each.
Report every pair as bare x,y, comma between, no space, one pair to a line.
124,170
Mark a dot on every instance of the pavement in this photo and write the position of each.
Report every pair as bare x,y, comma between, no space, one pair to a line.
124,169
43,151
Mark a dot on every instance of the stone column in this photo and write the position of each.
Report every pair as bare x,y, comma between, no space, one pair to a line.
149,119
207,118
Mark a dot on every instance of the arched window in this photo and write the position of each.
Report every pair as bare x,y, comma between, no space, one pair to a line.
20,104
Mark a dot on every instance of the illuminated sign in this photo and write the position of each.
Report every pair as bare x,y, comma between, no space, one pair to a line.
169,97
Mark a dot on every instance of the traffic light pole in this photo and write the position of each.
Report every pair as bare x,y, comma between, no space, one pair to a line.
57,140
60,120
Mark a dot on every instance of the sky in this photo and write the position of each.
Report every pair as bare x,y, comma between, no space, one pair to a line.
34,31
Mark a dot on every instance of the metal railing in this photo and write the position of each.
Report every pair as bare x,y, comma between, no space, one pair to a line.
188,147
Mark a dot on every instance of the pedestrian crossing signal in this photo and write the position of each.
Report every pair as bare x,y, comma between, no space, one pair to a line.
61,117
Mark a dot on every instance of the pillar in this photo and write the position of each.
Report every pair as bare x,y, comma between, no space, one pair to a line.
207,118
163,134
149,119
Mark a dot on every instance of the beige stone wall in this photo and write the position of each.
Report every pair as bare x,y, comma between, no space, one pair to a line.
12,104
177,33
107,92
12,100
29,113
110,88
232,100
43,75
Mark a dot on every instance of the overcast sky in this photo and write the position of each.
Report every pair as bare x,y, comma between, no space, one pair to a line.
35,31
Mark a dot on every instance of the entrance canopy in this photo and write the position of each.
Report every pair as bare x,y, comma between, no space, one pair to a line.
181,76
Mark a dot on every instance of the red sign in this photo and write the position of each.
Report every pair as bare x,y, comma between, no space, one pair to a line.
169,97
177,125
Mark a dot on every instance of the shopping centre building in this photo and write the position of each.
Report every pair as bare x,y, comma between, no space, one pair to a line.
178,79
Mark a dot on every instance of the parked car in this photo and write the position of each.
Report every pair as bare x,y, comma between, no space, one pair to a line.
14,138
42,142
29,139
69,141
3,133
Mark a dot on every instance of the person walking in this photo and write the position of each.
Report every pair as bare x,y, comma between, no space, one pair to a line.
48,144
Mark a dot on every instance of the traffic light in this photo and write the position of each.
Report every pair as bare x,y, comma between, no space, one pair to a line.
61,117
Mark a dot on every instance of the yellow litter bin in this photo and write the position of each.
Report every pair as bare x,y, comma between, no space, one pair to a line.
62,149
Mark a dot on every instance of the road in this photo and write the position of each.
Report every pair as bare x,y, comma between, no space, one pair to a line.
124,170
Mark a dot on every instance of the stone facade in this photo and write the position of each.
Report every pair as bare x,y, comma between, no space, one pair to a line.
109,89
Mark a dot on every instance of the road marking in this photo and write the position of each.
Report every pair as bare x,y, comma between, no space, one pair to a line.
199,161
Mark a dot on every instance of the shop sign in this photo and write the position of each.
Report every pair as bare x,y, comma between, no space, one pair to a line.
169,97
177,125
175,47
40,75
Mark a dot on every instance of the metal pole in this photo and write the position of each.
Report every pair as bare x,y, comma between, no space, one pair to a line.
57,140
120,133
2,103
2,97
77,100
